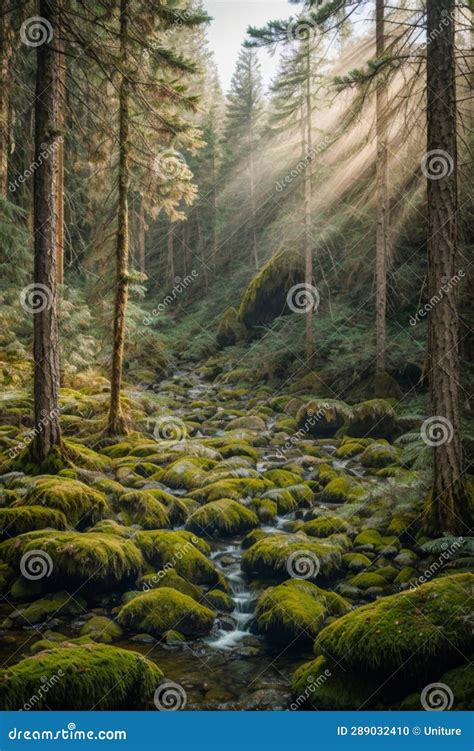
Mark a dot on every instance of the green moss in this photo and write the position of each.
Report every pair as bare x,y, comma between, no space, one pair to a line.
248,422
374,418
186,473
218,600
80,504
271,556
110,488
326,473
371,539
417,632
59,605
325,526
236,489
230,330
379,455
265,509
405,575
102,629
356,561
252,537
367,580
177,509
85,457
350,448
461,684
322,418
222,519
296,609
282,477
87,558
183,551
15,521
141,507
160,610
340,490
93,675
322,685
169,578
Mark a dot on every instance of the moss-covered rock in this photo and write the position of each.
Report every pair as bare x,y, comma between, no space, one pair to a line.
183,551
223,518
141,507
80,504
265,509
367,580
379,455
340,490
325,526
169,578
372,419
297,555
350,448
371,539
249,422
164,609
322,418
418,632
15,521
89,559
230,329
323,685
80,678
252,537
102,629
57,605
460,682
356,561
218,600
296,609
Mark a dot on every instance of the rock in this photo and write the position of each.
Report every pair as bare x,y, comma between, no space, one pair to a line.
249,422
161,610
223,518
322,418
44,609
282,554
102,629
372,419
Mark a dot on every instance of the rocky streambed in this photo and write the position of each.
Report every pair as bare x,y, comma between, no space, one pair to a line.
234,551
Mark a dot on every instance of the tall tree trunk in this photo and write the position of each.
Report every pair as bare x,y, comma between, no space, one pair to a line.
141,236
117,423
308,249
252,198
6,49
170,260
60,176
43,294
382,234
448,508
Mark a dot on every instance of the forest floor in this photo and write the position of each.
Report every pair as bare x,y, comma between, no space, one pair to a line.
219,539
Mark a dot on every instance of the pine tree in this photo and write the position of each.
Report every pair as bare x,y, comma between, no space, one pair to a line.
242,126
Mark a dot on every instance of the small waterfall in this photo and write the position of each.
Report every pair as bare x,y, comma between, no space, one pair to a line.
244,604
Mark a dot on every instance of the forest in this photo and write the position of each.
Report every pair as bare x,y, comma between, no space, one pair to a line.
236,431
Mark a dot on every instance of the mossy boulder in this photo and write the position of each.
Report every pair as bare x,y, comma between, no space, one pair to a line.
183,551
80,504
218,600
230,329
379,455
249,422
265,509
325,526
57,605
350,448
323,685
102,629
185,473
223,518
367,580
371,539
356,561
460,682
372,419
340,490
296,609
169,578
252,537
417,632
15,521
87,559
142,508
80,678
322,418
297,555
164,609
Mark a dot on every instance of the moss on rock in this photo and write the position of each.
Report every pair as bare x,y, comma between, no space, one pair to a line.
417,632
15,521
165,609
325,526
80,504
374,419
141,507
296,554
222,519
80,678
322,418
102,629
183,551
296,609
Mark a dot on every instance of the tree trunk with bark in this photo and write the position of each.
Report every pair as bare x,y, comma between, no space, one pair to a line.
170,250
382,233
141,236
6,50
308,246
42,296
60,174
117,423
448,509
